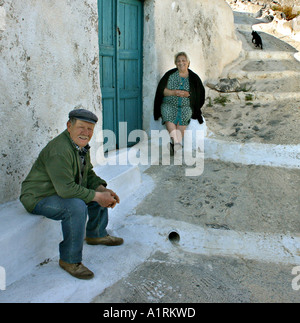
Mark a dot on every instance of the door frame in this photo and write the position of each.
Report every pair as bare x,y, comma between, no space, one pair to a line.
116,42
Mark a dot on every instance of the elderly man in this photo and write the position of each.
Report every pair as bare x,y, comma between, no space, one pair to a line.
63,186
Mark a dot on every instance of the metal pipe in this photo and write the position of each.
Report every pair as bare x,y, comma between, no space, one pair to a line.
174,237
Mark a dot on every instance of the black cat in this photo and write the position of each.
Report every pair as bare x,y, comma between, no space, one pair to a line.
256,39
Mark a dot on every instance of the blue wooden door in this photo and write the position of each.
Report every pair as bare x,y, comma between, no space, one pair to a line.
120,44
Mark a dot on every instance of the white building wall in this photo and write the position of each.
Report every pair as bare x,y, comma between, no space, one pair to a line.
202,28
49,64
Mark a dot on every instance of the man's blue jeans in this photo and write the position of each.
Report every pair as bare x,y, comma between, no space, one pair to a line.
73,214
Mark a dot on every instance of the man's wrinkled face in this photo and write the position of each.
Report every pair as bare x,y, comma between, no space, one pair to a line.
81,132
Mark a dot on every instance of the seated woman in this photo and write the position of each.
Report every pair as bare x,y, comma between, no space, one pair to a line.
179,98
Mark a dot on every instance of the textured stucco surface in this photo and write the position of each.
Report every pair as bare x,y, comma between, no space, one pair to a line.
48,65
204,29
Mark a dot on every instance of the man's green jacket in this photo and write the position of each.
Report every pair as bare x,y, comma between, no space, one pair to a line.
57,172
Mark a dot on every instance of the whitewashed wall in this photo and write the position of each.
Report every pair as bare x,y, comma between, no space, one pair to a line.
202,28
48,64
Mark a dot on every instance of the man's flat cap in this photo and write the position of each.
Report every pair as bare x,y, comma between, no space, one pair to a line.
84,115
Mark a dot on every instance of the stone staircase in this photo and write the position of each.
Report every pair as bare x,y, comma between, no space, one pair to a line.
266,111
28,241
259,127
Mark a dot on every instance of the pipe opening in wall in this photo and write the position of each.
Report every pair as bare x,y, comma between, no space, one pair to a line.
174,237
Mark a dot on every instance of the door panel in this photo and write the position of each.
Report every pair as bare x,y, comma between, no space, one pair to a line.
130,49
107,61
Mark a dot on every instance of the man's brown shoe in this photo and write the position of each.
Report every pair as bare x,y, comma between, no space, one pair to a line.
77,270
107,241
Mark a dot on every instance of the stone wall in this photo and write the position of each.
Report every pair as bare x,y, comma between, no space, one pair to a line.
202,28
291,3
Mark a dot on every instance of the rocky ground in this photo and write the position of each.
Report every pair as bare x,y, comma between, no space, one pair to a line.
183,277
227,196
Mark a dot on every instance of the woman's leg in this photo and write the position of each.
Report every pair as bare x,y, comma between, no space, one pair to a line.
175,132
182,130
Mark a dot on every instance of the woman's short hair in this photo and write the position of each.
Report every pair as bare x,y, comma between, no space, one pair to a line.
181,54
